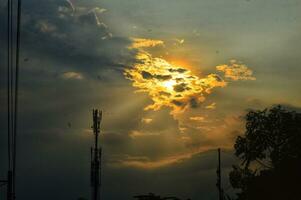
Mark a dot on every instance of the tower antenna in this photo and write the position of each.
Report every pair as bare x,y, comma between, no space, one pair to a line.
96,157
219,177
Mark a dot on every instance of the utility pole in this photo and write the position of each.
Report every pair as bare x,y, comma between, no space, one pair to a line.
9,185
96,157
219,178
13,63
10,193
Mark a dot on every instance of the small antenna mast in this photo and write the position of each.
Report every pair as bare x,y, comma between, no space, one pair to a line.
96,157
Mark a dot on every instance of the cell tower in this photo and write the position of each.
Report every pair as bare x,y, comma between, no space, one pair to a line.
96,157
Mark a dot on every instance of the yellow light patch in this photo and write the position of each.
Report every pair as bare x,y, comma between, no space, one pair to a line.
170,85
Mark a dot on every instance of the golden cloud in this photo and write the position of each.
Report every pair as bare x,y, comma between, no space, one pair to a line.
236,71
197,118
142,42
211,106
72,75
169,85
146,120
135,134
179,41
179,88
146,163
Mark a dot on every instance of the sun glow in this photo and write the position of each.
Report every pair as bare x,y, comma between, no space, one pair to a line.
170,85
174,84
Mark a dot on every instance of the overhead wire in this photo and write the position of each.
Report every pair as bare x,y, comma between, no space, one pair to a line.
13,62
16,89
8,84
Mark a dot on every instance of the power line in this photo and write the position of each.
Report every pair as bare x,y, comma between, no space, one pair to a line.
8,182
16,93
11,66
8,82
13,57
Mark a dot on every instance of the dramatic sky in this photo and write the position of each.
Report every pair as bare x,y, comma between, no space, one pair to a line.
174,79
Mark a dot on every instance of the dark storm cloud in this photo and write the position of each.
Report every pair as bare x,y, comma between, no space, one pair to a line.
53,146
76,40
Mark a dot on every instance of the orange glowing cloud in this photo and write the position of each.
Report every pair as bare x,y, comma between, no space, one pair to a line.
236,71
142,42
143,162
175,86
146,120
72,75
169,85
197,118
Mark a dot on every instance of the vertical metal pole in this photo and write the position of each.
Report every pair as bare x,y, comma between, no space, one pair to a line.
95,158
10,194
8,83
9,66
16,99
12,95
219,179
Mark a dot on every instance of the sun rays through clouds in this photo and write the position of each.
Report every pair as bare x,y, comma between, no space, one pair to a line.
169,85
173,86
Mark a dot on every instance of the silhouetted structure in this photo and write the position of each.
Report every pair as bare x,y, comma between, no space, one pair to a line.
271,145
96,157
13,50
219,178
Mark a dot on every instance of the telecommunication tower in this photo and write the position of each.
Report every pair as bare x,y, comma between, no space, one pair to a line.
96,157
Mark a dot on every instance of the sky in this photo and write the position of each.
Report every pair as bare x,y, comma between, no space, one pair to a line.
174,79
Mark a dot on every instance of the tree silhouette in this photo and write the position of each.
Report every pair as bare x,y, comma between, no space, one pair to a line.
270,154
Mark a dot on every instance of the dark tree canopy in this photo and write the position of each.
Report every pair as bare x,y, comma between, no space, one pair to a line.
270,154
